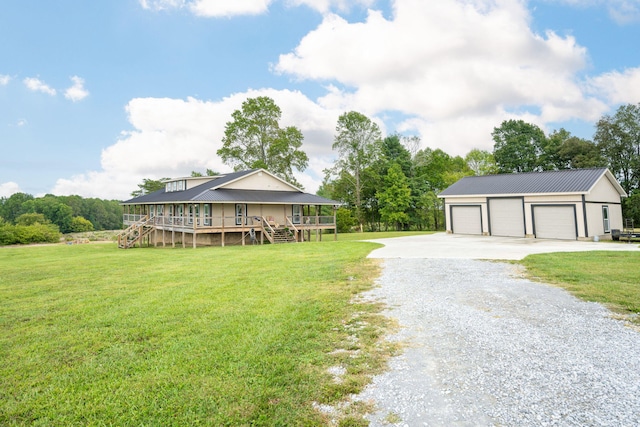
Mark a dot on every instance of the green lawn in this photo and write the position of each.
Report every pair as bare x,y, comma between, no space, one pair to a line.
608,277
94,335
342,237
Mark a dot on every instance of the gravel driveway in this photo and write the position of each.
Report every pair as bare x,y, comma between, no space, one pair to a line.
485,347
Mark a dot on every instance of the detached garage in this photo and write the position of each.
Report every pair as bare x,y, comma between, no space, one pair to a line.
568,204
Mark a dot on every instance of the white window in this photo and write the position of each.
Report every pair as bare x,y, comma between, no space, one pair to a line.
207,214
152,211
295,213
160,210
190,215
241,211
605,219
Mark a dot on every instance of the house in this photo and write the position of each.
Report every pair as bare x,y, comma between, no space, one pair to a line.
567,204
251,206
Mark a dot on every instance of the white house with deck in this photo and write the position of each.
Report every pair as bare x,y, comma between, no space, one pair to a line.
252,206
567,204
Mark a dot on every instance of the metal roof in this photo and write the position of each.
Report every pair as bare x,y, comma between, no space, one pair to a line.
578,181
214,191
222,195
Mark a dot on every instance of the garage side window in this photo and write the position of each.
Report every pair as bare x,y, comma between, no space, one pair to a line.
605,219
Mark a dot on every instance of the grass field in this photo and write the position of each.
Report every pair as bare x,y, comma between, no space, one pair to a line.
94,335
612,278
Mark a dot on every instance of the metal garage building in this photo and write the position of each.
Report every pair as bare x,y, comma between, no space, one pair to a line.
568,204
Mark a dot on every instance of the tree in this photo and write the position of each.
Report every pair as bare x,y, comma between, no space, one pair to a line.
80,224
395,199
517,147
254,140
209,172
481,162
618,138
357,141
12,207
149,186
578,153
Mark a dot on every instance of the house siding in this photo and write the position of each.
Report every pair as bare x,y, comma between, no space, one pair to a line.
260,181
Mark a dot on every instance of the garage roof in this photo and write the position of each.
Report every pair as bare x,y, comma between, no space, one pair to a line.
575,181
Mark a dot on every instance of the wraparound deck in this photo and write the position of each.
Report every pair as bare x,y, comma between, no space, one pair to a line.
169,230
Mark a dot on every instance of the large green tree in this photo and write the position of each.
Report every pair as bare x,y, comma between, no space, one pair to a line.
254,139
518,146
358,143
618,138
481,162
395,198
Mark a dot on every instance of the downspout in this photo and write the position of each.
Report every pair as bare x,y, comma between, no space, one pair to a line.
584,216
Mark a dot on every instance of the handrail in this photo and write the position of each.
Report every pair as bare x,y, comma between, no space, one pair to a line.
271,231
290,223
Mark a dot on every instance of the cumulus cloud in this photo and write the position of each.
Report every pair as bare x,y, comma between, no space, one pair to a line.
473,61
211,8
172,137
9,188
617,87
77,92
216,8
37,85
4,79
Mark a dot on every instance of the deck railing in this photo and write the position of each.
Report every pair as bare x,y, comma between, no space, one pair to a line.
218,222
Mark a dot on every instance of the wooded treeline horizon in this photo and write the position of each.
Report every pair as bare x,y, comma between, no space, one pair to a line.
382,182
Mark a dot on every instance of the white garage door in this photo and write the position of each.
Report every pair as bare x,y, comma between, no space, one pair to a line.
466,220
507,217
554,222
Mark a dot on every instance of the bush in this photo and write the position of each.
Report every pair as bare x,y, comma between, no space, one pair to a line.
31,219
23,234
345,221
80,224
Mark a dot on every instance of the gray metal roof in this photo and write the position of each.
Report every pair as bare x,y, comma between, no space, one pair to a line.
222,195
563,181
210,191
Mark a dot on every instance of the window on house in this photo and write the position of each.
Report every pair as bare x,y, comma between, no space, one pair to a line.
295,214
241,211
207,214
605,219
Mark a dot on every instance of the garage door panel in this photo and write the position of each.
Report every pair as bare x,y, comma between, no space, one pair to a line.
507,217
555,222
466,220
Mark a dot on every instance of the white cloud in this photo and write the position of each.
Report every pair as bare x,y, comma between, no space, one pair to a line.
9,188
617,87
217,8
4,79
324,6
37,85
162,4
77,92
22,122
211,8
471,63
172,137
621,11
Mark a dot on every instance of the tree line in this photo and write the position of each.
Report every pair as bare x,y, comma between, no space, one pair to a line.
28,219
391,183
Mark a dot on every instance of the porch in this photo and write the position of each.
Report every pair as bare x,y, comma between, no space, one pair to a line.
192,230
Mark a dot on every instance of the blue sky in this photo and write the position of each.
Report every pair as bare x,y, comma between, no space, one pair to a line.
95,96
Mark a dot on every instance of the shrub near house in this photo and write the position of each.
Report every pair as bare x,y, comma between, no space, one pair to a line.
29,228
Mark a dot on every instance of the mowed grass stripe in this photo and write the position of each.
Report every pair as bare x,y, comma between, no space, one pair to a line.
608,277
93,335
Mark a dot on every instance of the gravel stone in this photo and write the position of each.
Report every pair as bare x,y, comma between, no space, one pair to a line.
487,348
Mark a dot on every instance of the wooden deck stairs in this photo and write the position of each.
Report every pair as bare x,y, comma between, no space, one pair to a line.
135,233
282,235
